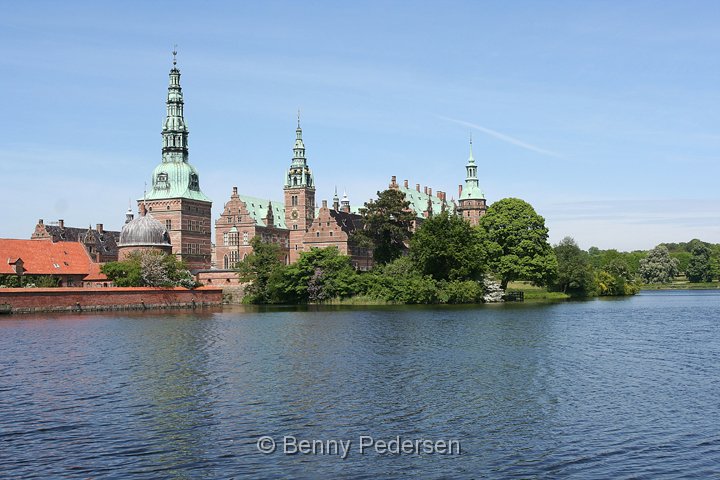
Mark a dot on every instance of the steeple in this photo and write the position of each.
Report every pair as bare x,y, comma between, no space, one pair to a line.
299,174
472,186
299,148
175,132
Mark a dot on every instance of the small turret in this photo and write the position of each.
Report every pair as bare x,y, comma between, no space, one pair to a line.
336,201
345,203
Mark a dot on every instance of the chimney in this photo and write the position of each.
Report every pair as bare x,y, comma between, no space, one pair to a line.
99,227
393,182
459,191
425,189
143,209
440,194
429,192
417,187
61,223
40,222
324,204
405,184
234,191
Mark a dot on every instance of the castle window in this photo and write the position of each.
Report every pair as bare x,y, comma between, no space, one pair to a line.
295,226
194,182
317,234
294,200
245,238
229,219
225,239
161,181
168,225
331,234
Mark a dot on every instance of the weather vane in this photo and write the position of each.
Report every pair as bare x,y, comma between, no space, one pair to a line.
174,54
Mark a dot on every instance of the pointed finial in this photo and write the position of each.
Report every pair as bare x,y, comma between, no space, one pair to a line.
298,118
471,139
174,55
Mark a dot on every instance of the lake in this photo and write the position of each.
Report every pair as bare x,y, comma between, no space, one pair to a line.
621,388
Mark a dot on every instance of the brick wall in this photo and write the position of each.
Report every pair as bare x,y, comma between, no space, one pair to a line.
24,300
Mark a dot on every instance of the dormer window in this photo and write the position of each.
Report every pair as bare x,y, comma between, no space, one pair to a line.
161,181
194,182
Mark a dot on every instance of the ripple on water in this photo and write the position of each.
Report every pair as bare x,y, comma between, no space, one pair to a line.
619,389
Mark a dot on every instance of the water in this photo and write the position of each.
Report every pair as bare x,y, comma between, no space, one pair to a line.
624,388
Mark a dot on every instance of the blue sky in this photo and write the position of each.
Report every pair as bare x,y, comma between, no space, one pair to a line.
605,116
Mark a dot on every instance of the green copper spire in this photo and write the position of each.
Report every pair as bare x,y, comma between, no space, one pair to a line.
175,177
472,188
175,132
299,174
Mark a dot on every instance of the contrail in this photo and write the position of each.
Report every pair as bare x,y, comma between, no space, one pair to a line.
504,138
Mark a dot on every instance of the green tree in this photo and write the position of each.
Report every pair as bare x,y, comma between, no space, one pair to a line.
149,269
448,248
516,243
699,267
575,274
126,273
319,275
387,226
258,268
658,266
401,282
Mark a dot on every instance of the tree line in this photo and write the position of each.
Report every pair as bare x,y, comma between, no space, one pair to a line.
444,260
447,260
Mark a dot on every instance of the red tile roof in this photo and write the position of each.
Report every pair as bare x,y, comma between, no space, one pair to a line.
43,257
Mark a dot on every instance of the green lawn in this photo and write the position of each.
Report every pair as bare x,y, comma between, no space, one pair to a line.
536,294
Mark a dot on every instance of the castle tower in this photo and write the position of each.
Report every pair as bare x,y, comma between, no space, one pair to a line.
299,196
471,198
175,198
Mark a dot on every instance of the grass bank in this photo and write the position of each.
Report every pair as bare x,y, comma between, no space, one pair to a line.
683,285
534,293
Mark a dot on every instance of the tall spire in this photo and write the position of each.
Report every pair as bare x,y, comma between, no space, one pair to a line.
175,132
299,148
472,185
299,174
471,168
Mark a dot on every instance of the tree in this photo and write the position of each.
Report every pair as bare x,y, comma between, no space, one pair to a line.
658,266
515,240
387,225
699,267
575,274
448,248
258,268
149,268
319,275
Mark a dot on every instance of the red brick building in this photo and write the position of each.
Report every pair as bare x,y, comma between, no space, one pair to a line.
297,225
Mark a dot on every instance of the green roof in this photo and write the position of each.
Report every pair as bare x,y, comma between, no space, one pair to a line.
175,180
258,208
419,201
472,192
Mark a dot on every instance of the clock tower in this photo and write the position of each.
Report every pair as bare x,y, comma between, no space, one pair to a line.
299,197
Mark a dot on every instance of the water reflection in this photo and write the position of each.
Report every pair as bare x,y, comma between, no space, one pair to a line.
593,389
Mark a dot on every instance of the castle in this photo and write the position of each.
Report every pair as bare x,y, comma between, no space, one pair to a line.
297,224
176,214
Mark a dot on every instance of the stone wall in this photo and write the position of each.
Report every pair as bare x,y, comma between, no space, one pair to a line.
26,300
233,290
